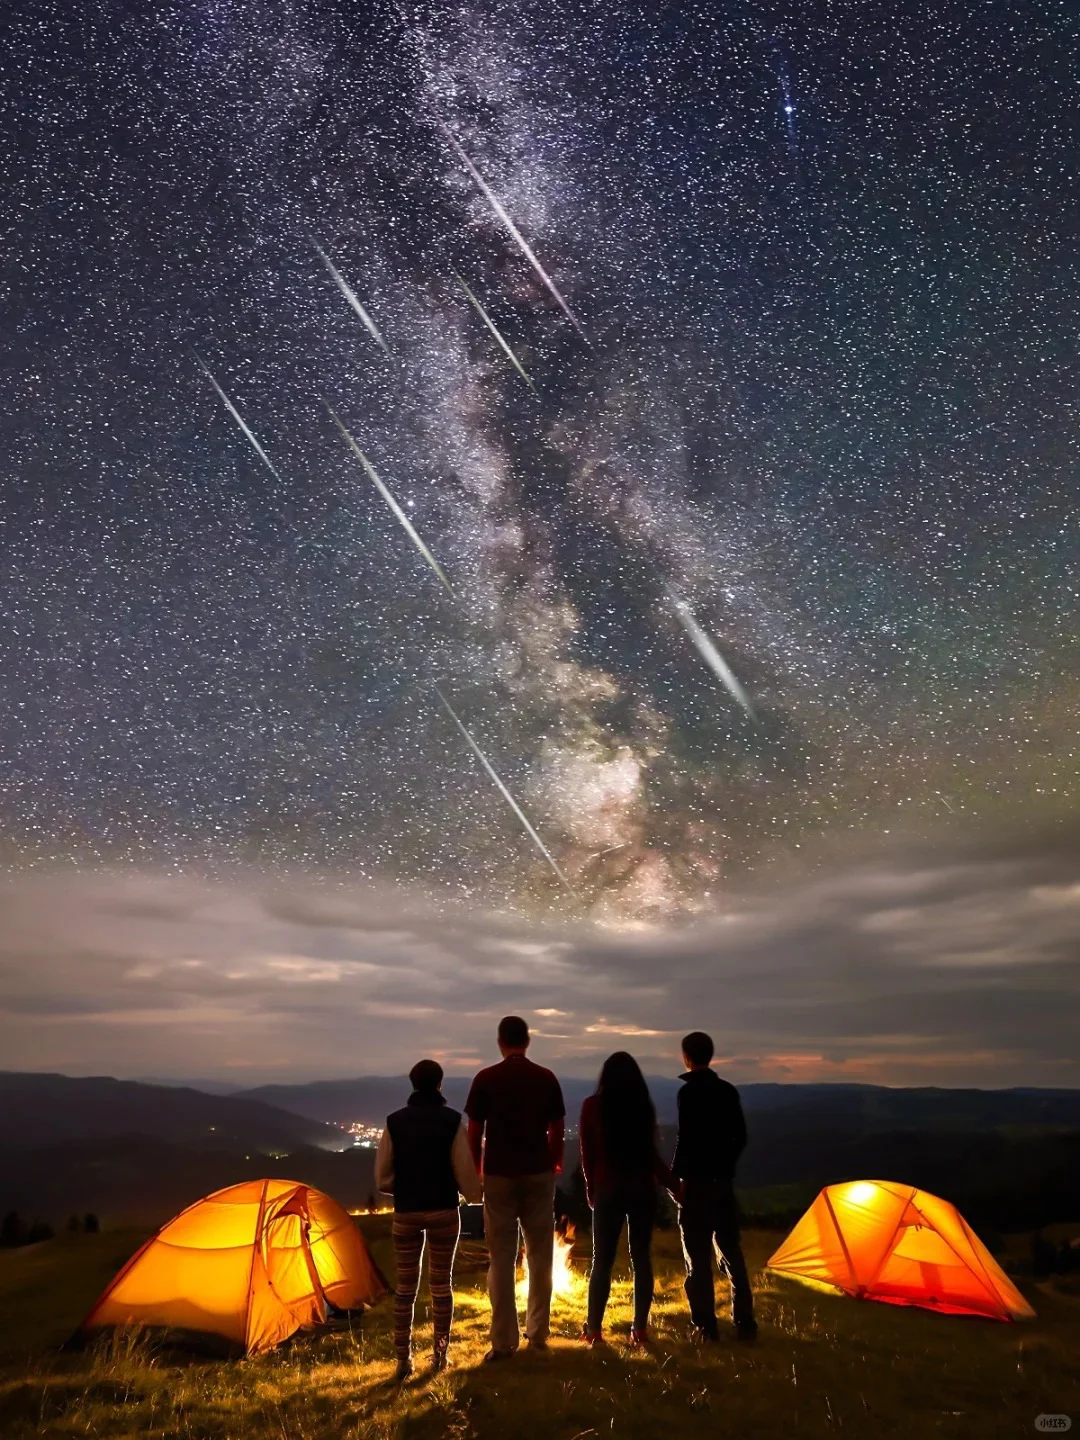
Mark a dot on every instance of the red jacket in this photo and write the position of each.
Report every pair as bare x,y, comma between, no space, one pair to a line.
600,1173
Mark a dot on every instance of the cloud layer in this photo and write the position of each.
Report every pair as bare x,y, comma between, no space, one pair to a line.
959,971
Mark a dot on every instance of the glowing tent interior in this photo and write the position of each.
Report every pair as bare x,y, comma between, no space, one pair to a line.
877,1240
246,1267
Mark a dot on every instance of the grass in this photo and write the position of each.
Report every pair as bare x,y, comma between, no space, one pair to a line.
825,1365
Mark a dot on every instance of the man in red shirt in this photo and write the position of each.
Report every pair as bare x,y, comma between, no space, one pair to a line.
516,1115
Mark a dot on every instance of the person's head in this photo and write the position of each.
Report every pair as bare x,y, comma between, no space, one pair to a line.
426,1077
621,1074
697,1050
513,1035
627,1115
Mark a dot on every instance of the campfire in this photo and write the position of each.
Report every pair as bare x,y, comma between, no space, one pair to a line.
565,1280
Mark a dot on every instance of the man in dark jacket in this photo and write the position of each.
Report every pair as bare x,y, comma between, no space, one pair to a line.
424,1160
516,1115
712,1136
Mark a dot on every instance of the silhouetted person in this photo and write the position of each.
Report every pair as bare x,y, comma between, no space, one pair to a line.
91,1224
423,1160
622,1167
712,1136
11,1229
516,1115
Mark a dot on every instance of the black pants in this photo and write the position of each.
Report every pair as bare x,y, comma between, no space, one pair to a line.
709,1224
637,1208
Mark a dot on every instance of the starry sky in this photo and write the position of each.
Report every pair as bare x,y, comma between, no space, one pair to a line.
723,360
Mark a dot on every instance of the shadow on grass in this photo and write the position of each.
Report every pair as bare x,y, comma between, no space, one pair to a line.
569,1390
824,1363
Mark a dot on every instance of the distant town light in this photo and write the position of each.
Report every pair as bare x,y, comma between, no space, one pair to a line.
363,1135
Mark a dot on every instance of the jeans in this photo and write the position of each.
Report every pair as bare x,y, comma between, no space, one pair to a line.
708,1224
510,1201
410,1229
637,1208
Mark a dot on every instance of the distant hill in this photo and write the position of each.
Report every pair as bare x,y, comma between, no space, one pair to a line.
142,1181
370,1098
209,1087
868,1108
1010,1159
1013,1175
857,1108
48,1109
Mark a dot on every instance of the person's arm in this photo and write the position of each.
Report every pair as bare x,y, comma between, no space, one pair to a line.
661,1171
556,1130
676,1159
738,1126
384,1164
465,1170
587,1146
476,1112
556,1143
476,1144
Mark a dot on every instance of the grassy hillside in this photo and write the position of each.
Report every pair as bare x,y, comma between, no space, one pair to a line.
824,1366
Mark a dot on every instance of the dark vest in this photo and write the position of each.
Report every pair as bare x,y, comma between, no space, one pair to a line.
423,1136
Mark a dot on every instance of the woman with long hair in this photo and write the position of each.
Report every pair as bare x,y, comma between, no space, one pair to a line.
622,1169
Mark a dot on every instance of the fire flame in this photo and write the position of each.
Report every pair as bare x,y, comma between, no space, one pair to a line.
565,1280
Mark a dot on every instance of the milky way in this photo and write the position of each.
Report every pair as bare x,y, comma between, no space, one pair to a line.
824,391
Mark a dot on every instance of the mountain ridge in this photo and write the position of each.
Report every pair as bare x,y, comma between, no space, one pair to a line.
1008,1158
368,1099
38,1108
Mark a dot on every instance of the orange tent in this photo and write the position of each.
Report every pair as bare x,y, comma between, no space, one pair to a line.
247,1266
880,1241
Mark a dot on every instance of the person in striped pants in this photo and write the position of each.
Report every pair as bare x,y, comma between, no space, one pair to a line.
424,1161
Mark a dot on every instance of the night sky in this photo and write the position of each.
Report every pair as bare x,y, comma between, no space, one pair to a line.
802,355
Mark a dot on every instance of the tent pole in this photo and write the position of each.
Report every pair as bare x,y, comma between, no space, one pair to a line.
320,1293
859,1289
255,1247
896,1231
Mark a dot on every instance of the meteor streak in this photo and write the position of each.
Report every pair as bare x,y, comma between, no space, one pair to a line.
237,416
711,655
403,519
492,327
351,296
515,234
533,836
